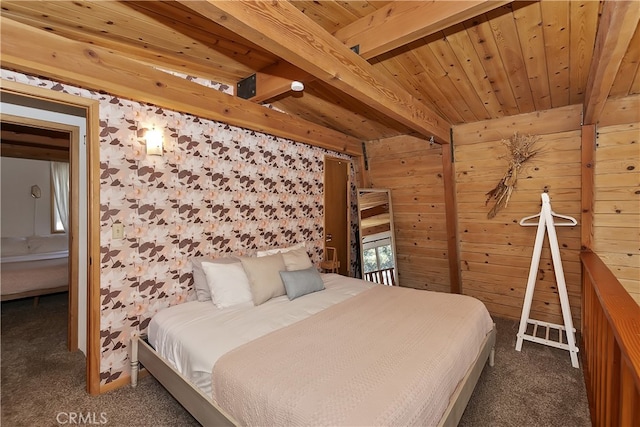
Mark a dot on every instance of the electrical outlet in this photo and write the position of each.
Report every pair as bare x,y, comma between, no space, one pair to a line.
117,230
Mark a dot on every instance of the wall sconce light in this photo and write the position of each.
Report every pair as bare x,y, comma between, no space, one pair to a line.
36,193
154,142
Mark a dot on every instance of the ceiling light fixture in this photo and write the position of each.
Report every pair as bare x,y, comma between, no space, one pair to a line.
297,86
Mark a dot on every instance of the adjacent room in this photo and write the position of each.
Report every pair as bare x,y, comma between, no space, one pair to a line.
35,211
319,212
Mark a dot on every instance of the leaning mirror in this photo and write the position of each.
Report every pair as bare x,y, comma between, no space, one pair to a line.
377,240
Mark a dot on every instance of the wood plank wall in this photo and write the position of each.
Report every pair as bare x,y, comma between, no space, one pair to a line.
495,254
412,169
617,192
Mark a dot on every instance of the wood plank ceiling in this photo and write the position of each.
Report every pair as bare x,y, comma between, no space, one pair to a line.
422,67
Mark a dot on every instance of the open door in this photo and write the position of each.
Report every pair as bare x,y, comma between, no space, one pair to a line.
336,210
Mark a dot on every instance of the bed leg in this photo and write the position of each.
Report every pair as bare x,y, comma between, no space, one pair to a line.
492,356
36,300
133,357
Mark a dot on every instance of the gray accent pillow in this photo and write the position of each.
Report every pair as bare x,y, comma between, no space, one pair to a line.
200,279
302,282
264,277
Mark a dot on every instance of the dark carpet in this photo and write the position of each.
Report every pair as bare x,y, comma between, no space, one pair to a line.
535,387
42,384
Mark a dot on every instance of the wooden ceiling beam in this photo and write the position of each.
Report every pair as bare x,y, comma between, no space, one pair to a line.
188,49
276,79
16,138
618,23
403,22
382,31
285,31
38,52
162,59
20,151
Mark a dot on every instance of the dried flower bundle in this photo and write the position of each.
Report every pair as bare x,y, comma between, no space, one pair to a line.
520,150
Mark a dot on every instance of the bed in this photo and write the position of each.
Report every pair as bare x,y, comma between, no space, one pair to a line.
355,353
33,266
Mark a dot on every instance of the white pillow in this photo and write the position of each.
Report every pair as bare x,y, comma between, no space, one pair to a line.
297,259
11,246
48,243
200,280
267,252
228,284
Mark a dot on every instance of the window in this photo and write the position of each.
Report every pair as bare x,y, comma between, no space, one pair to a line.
377,254
59,197
56,222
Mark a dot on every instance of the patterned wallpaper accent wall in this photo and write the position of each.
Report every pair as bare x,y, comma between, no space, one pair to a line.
217,190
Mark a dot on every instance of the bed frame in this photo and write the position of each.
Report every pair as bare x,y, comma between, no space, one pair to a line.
34,274
203,409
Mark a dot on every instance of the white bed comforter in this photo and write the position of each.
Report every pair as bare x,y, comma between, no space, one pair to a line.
35,257
192,336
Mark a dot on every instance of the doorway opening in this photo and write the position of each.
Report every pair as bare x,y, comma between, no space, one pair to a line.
40,108
31,149
337,211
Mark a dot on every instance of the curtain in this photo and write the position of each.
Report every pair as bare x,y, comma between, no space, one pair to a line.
60,180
